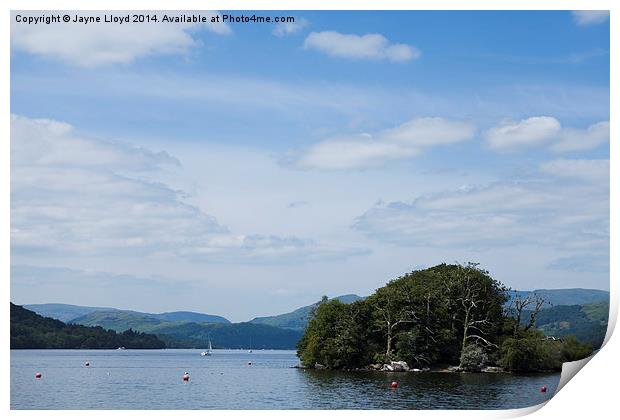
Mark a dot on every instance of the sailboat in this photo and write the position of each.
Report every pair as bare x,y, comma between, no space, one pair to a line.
250,349
207,352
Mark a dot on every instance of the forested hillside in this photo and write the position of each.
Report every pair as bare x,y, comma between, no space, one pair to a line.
197,334
32,331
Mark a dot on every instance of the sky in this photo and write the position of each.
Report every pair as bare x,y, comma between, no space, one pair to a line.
247,169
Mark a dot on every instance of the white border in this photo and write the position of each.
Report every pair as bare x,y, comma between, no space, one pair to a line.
594,393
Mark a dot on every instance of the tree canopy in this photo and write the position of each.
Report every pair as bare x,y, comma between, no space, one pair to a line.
447,314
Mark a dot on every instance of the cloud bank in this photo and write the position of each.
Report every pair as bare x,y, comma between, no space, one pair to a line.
566,210
75,195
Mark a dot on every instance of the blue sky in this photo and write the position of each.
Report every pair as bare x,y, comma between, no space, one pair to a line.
200,165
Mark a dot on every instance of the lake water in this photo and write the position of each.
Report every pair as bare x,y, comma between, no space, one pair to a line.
152,379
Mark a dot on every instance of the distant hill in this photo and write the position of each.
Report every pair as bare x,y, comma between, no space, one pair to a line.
567,296
32,331
68,313
180,334
579,312
242,335
120,320
298,319
587,322
185,316
63,312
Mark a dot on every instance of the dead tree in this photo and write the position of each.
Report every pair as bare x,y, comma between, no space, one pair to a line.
393,315
474,308
520,304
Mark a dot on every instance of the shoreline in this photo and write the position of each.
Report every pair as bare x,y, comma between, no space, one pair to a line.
443,369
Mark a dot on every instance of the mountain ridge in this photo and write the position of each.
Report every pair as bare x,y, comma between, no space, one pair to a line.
67,313
30,330
298,318
585,316
182,334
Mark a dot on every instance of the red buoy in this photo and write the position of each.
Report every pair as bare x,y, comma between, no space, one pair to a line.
543,389
186,376
394,384
37,375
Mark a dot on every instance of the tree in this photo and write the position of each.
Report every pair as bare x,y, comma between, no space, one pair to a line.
446,314
474,358
519,305
479,305
393,308
337,336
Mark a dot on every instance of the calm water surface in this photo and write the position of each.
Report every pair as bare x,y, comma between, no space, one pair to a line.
152,379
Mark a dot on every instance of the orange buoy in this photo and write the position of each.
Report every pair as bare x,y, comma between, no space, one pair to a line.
186,376
394,384
543,389
37,375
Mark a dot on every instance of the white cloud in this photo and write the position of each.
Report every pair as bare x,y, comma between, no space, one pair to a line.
510,136
573,139
404,141
583,169
364,47
352,153
55,144
97,44
290,28
533,131
75,195
566,209
590,17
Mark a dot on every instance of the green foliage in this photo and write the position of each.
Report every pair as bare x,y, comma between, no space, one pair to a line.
32,331
447,314
418,318
336,336
420,350
588,323
536,352
573,350
474,358
523,355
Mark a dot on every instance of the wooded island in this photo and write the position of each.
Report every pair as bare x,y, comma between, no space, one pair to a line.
447,315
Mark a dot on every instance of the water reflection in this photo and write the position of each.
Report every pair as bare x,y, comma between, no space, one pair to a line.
428,390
